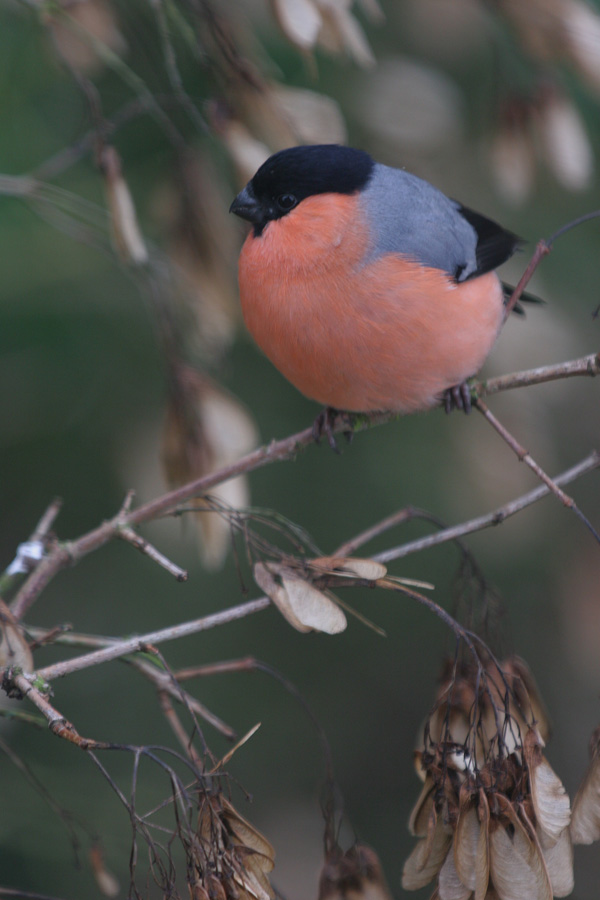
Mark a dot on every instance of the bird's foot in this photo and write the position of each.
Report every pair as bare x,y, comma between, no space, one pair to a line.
458,397
324,425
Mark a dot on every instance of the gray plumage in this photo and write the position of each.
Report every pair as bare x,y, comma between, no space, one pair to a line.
408,215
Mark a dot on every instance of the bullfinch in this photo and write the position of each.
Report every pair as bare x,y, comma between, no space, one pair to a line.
367,287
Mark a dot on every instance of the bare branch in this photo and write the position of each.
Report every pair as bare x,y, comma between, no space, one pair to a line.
276,451
137,644
586,365
524,456
14,680
128,534
493,518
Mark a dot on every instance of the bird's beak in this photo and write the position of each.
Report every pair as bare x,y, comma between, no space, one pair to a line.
246,206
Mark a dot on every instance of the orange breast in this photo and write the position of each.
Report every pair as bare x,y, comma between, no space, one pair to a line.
386,335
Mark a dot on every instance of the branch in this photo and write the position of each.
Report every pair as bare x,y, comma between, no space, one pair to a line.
523,455
586,365
68,553
16,683
493,518
137,644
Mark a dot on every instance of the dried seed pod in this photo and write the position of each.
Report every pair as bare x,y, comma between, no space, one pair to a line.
585,820
355,875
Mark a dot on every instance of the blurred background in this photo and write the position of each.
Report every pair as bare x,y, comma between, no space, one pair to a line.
126,130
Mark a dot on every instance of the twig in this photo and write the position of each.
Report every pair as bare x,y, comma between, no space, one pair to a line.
161,679
542,249
524,456
397,518
277,451
57,723
29,553
172,68
586,365
493,518
136,644
47,520
167,685
177,727
68,553
128,534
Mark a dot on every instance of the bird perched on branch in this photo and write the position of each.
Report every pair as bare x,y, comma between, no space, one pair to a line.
368,288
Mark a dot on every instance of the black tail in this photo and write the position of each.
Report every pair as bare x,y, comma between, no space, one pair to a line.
525,297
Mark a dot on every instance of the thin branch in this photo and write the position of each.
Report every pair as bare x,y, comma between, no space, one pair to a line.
397,518
277,451
137,644
524,456
177,728
489,519
13,680
586,365
166,684
542,249
128,534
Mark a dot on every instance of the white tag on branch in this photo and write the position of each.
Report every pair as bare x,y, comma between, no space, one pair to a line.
303,605
28,553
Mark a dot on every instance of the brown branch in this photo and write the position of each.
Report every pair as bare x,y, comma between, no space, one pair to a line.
15,683
128,534
137,644
161,679
493,518
542,249
523,455
397,518
68,553
586,365
177,728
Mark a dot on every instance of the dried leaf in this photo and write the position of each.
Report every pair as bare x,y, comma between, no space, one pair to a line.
312,607
315,118
126,235
450,887
467,841
206,428
299,20
357,875
558,856
550,800
247,152
422,810
265,579
585,818
105,880
512,153
565,142
249,836
341,31
427,858
517,867
482,862
582,25
350,567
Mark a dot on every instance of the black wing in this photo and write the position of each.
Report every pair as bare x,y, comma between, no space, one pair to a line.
494,244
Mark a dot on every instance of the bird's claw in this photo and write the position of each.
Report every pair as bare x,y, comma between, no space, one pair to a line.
458,397
324,425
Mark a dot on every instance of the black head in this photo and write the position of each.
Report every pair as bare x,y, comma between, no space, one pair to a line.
288,177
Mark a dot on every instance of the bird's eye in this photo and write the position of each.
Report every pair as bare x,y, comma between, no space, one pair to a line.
286,201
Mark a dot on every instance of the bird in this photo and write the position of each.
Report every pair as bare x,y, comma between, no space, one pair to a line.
367,287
